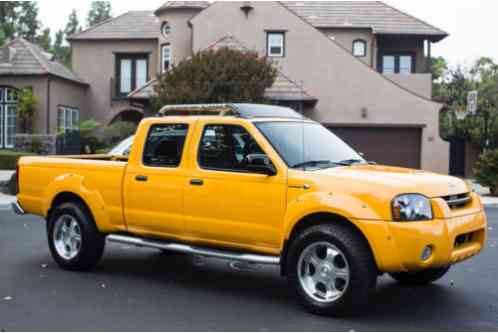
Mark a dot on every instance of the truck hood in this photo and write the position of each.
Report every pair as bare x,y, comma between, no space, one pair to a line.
390,181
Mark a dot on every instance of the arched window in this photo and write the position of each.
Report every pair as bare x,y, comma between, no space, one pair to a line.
8,116
360,48
166,29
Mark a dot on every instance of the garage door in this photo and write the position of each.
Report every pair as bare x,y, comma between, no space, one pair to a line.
385,145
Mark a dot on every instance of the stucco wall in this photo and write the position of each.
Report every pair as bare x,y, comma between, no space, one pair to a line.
66,93
180,37
343,84
345,38
94,61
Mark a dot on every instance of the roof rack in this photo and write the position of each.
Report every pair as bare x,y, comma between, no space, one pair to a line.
246,111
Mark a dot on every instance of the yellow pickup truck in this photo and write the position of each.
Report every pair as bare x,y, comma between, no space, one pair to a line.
259,184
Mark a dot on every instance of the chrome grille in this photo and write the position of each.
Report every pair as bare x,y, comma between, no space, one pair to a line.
458,200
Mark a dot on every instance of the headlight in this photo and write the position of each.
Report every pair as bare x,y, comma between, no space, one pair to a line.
411,208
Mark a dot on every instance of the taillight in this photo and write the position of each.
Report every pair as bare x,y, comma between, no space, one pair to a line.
17,178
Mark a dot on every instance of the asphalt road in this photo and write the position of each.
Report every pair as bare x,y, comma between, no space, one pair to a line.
143,290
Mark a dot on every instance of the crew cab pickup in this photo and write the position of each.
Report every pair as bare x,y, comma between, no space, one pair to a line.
260,184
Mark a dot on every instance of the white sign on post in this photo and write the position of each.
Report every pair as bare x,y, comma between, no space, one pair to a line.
472,102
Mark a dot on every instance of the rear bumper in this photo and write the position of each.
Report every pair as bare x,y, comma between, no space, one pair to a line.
16,207
399,247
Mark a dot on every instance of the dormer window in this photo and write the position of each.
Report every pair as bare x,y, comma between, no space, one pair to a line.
360,48
165,29
275,44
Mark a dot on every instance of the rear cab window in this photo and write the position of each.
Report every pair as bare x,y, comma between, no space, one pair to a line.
165,145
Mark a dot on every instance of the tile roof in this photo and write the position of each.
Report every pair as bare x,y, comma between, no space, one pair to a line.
30,59
283,89
375,15
182,4
130,25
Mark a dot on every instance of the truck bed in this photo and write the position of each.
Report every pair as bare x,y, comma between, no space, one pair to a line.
99,177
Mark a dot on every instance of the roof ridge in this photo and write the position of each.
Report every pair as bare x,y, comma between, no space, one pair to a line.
35,54
97,25
411,16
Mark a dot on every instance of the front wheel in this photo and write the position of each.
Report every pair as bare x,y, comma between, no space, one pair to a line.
73,238
331,270
420,278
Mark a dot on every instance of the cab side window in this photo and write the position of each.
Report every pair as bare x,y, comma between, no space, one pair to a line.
164,145
226,148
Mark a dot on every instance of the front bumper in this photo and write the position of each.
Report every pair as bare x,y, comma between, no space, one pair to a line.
453,236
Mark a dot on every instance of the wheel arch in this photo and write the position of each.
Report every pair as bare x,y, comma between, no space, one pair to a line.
319,218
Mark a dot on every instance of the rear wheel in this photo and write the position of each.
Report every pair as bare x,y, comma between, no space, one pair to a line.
420,278
331,270
74,240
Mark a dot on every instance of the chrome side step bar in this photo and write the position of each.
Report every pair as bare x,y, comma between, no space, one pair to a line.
202,251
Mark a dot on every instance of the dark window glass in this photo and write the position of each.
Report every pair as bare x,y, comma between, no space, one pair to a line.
164,146
131,72
226,147
298,143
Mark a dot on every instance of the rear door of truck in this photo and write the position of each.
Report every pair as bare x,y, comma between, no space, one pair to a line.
155,178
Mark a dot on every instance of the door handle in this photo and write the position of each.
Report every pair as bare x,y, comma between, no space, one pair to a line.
141,178
197,182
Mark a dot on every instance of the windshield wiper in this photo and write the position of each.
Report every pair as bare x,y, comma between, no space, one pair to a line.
313,164
350,162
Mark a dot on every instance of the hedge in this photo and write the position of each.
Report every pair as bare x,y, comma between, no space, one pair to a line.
8,159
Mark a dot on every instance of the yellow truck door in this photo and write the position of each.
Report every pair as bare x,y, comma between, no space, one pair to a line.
154,180
225,204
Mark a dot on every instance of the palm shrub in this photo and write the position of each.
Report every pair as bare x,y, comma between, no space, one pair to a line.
486,170
28,103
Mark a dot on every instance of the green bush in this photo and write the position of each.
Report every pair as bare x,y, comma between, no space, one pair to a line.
8,159
486,170
118,131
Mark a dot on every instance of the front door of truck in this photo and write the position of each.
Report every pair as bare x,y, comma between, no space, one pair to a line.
225,204
154,183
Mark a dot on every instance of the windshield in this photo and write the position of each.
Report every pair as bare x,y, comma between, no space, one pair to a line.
308,145
123,148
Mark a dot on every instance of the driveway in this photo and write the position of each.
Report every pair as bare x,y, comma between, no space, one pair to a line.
144,290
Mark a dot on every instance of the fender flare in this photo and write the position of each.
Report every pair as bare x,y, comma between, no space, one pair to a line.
81,187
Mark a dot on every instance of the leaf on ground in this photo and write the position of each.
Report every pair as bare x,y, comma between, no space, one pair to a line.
8,298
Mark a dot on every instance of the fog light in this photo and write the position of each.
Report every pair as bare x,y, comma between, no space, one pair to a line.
427,253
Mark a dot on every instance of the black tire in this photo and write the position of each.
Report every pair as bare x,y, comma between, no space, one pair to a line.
92,241
420,278
362,267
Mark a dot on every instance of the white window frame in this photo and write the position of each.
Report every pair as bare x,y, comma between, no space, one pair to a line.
363,44
164,59
271,44
63,114
8,108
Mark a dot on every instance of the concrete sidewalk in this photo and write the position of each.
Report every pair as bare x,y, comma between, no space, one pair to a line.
5,175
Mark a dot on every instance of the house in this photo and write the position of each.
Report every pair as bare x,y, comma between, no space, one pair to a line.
358,67
60,92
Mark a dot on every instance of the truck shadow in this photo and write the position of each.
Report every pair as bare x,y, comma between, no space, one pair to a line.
263,283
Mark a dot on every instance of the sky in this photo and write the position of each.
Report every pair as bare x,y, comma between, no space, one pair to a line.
472,24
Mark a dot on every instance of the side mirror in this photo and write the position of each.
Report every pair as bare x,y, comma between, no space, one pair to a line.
260,163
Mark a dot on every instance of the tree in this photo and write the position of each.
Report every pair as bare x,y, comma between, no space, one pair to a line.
439,67
8,18
482,77
28,103
99,12
28,24
73,24
219,76
45,40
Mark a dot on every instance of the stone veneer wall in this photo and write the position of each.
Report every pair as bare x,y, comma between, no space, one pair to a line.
45,144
